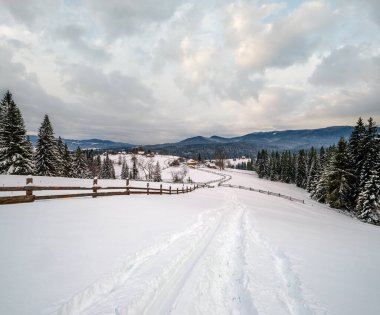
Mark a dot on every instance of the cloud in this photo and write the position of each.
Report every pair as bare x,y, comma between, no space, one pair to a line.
347,66
75,37
120,18
283,42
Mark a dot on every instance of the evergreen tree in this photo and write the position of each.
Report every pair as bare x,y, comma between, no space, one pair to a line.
340,178
16,155
107,170
371,148
124,170
79,165
301,175
157,173
47,162
356,153
61,153
368,202
67,163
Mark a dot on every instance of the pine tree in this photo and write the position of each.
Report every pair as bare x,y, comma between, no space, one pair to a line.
371,147
356,153
16,155
157,173
340,178
124,170
79,165
301,175
67,163
368,202
61,153
107,170
47,162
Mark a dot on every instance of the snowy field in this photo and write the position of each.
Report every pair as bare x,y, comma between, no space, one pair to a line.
213,251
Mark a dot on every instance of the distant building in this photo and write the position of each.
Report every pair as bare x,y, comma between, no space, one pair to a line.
191,163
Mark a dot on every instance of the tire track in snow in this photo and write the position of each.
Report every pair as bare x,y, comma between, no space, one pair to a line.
101,288
216,282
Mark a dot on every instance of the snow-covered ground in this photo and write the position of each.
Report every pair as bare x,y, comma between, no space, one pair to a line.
213,251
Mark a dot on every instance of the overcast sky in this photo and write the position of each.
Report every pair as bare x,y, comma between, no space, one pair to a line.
151,71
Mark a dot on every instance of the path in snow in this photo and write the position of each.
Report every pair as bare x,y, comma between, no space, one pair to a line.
220,265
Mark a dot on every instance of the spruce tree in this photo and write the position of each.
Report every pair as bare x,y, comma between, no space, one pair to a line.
157,173
47,162
107,170
79,165
16,155
368,202
67,163
124,170
61,153
356,153
301,174
340,178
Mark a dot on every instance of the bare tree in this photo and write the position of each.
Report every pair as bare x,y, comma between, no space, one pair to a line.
220,158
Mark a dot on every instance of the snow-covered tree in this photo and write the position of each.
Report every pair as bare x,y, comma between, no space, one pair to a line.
301,175
47,155
124,170
16,155
67,163
80,166
368,206
107,170
340,178
157,172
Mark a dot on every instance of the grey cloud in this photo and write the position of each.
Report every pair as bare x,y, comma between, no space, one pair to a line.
29,12
120,18
348,65
74,35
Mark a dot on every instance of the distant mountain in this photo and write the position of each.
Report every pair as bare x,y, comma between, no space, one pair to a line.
90,144
248,144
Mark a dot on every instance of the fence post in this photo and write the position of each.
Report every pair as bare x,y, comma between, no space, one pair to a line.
170,190
160,189
303,201
183,190
290,198
29,190
127,185
95,187
147,188
177,190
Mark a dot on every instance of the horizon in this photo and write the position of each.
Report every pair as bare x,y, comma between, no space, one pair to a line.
156,73
202,136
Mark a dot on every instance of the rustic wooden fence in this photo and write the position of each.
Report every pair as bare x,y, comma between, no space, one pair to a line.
266,192
96,191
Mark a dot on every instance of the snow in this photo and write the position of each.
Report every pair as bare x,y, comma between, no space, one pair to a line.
213,251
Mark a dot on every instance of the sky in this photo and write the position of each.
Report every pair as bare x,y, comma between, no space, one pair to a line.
153,71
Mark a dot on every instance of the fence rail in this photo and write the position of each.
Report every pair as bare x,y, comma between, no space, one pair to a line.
266,192
29,188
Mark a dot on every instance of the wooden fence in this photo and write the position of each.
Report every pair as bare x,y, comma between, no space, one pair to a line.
266,192
96,191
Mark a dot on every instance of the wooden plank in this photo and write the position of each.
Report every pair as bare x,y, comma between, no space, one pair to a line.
14,188
16,199
63,196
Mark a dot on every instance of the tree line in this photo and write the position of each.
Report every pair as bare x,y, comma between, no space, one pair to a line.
344,176
51,156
